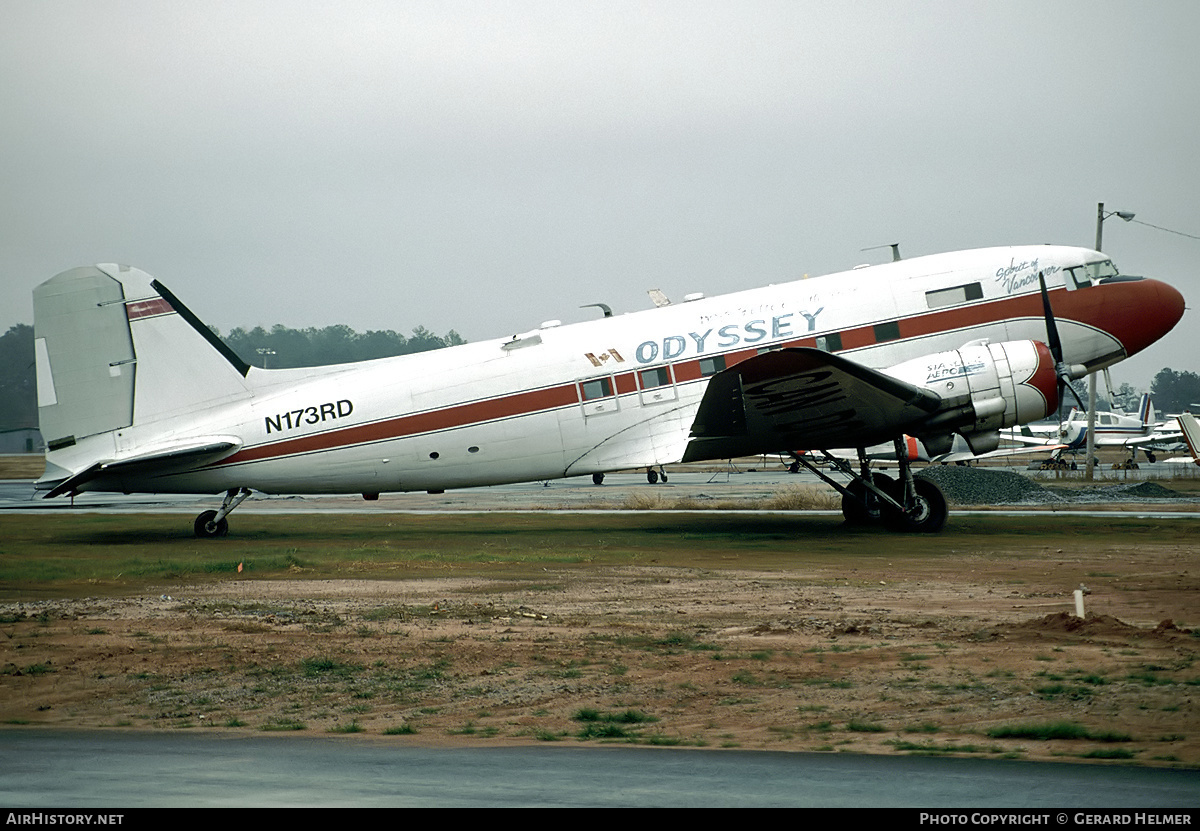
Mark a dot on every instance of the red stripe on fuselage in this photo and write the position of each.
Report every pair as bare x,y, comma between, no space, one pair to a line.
1149,309
523,403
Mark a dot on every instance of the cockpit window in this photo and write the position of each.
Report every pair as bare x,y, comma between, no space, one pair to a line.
1092,273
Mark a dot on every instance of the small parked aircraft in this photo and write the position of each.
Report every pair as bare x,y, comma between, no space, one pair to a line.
136,394
1140,431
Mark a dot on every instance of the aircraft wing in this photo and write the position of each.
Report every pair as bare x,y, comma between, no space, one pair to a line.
803,398
1002,453
1039,442
1153,440
161,461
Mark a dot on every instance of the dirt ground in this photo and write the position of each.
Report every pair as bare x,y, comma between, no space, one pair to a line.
976,653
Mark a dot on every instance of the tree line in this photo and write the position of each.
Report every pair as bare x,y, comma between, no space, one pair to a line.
274,348
280,347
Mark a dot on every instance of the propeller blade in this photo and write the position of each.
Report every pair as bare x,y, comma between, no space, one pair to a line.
1055,345
1052,340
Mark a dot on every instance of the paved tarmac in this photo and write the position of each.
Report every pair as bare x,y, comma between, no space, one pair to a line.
45,769
742,480
577,493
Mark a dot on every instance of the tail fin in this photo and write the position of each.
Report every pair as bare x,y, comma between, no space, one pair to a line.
1145,410
115,349
1191,435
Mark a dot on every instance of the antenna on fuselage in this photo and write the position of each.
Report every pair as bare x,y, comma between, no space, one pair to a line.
895,246
658,297
604,307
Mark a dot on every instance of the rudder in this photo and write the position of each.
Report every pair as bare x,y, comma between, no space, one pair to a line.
84,356
114,348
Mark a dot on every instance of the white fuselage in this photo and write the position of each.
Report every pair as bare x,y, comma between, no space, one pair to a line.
602,395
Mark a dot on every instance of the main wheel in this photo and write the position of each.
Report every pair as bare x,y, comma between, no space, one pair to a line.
207,529
652,477
853,509
597,478
928,513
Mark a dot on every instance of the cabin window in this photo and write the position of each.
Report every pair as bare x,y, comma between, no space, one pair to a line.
711,366
887,331
598,388
830,343
657,377
954,296
1092,273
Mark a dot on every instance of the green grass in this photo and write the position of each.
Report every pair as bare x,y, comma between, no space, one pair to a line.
283,725
859,726
352,727
1055,730
89,553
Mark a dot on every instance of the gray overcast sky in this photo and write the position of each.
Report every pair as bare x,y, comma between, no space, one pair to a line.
488,166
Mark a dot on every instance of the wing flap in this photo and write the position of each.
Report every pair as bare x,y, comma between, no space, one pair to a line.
801,399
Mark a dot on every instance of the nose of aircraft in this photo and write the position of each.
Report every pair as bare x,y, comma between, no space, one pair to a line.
1146,312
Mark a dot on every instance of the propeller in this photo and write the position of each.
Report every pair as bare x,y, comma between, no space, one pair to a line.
1061,368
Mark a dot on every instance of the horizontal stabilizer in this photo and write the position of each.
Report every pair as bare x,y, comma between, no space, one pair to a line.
158,462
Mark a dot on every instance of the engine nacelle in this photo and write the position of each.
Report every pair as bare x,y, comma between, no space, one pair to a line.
986,386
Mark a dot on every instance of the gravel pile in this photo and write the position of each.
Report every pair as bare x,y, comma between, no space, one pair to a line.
1130,492
978,486
981,486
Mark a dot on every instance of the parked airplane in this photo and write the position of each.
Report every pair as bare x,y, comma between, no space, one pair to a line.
1140,431
915,451
136,394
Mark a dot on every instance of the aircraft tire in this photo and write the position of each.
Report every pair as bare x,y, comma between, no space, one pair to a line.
928,515
205,528
597,478
652,477
853,509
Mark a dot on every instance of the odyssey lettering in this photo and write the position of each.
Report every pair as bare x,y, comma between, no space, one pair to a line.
726,337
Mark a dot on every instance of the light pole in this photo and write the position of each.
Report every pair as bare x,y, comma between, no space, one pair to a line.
1101,216
1091,418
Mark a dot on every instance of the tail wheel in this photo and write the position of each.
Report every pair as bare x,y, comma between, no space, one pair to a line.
853,507
206,528
927,514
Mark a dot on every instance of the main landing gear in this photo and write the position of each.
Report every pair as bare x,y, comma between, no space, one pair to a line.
653,476
905,504
212,524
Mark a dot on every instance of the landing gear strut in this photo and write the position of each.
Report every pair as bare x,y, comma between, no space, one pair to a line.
905,504
211,524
